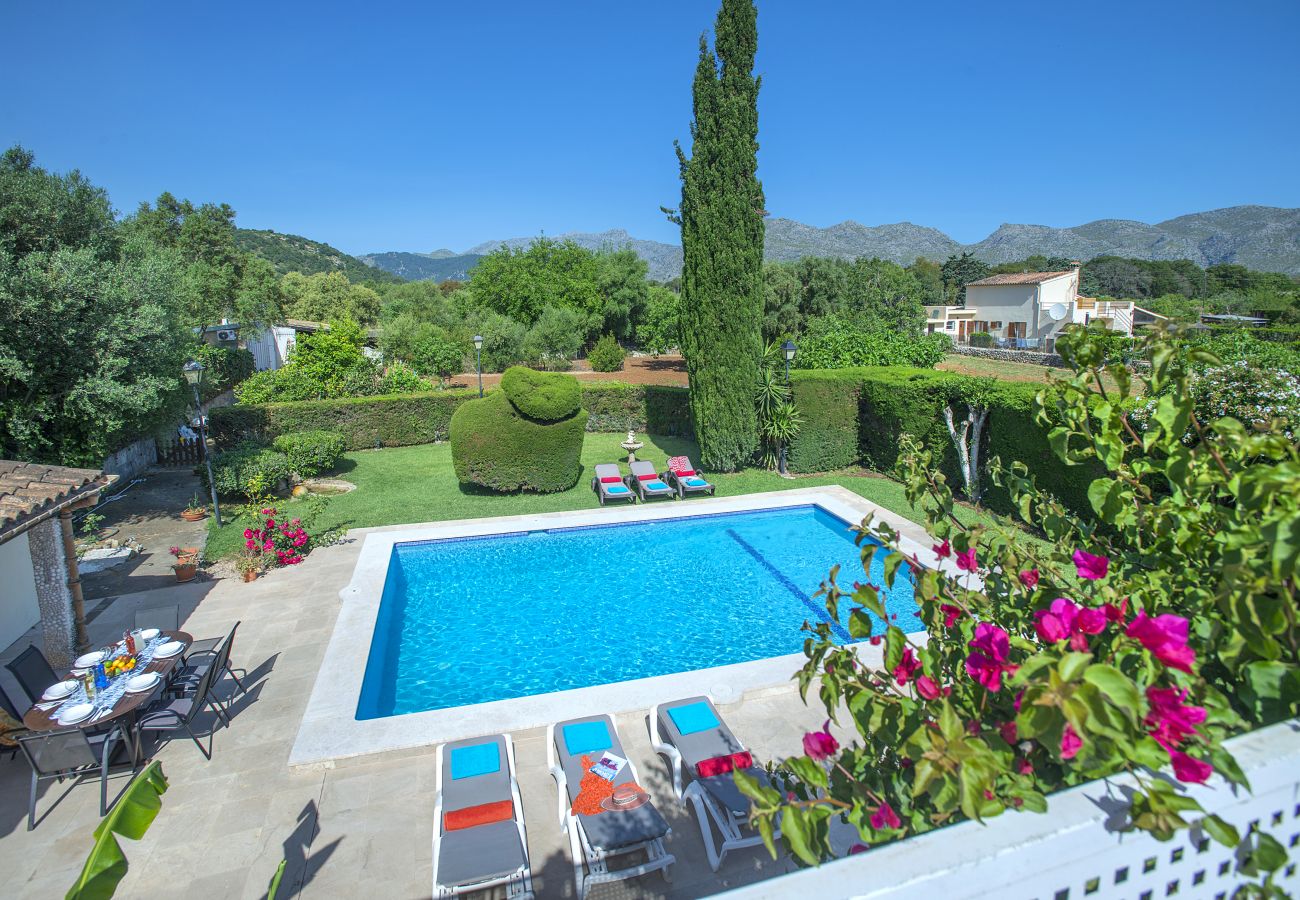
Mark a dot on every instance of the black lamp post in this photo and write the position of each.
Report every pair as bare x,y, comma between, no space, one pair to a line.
788,351
478,361
194,375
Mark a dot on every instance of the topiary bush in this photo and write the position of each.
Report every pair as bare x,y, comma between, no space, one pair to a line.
546,396
310,452
496,446
606,355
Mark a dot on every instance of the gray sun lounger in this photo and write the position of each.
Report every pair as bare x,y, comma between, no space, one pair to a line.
593,840
687,732
684,484
647,482
610,490
472,773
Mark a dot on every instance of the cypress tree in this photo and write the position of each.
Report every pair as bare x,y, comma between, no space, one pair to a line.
721,218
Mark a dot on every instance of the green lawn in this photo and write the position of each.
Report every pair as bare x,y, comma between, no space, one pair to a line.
417,484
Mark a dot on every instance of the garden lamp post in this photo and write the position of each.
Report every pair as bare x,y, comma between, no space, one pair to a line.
194,375
788,351
478,361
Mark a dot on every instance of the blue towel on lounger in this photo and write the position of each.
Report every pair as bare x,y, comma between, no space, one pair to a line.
697,482
615,489
656,485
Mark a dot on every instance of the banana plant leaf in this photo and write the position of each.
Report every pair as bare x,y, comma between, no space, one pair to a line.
130,817
274,887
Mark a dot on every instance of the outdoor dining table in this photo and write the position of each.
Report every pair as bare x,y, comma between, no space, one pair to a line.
124,709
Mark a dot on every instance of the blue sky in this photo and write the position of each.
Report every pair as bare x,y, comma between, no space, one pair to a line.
413,127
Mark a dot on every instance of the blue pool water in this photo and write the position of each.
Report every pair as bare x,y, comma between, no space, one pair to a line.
469,620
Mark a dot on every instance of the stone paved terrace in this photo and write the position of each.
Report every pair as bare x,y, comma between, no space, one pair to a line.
364,823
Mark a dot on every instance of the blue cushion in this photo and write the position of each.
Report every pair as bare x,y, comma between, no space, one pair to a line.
615,489
656,485
696,482
479,759
584,737
693,717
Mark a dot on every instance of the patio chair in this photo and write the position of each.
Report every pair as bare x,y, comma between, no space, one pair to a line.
479,840
691,736
684,478
164,618
11,725
595,839
647,482
608,484
33,672
201,655
171,714
72,754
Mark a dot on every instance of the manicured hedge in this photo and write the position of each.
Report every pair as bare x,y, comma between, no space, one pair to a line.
310,452
493,446
401,419
545,396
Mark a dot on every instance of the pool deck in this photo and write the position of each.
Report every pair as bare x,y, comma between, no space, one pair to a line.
348,823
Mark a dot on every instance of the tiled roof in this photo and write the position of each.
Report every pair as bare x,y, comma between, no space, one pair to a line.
30,491
1019,278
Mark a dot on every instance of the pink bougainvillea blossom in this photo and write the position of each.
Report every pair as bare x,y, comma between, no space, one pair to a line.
1091,568
1170,720
942,550
926,687
1029,578
990,658
966,561
1025,767
1066,619
820,744
1009,732
950,614
1071,743
1166,637
858,848
1115,613
885,817
1189,769
907,667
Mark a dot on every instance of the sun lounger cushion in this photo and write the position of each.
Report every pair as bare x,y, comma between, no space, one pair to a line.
475,760
489,787
616,489
696,482
721,765
723,789
611,479
611,830
478,854
692,717
649,476
483,814
586,737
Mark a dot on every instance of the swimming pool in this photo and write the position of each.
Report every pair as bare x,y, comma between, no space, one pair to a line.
471,620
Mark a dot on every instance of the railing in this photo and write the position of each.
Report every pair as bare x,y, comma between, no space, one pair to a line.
180,452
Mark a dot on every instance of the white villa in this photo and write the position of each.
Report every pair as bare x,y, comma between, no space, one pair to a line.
1027,310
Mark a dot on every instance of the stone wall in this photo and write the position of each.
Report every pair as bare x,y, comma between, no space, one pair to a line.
1032,357
132,459
53,596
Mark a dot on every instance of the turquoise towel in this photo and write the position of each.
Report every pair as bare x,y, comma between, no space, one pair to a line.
656,486
480,759
585,737
615,489
697,482
693,717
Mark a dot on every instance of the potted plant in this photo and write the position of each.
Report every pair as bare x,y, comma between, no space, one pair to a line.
249,566
187,563
194,511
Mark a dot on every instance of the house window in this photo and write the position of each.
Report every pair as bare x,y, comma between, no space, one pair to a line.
995,326
951,326
1016,329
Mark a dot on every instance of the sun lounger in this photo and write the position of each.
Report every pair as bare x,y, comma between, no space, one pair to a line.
595,839
691,735
478,829
684,478
608,484
647,482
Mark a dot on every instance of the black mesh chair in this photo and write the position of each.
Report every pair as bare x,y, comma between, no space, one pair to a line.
173,714
9,738
73,754
33,672
209,653
165,618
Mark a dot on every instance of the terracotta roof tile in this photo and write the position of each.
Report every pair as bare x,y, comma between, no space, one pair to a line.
1020,278
31,491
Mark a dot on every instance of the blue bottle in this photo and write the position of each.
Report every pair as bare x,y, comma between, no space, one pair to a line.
101,677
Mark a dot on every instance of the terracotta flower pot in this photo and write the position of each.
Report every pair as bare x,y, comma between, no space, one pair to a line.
185,571
194,515
250,575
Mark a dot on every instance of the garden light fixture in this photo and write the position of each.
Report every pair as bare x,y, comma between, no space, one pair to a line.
478,361
193,371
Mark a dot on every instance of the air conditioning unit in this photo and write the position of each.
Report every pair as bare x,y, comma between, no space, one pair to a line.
227,334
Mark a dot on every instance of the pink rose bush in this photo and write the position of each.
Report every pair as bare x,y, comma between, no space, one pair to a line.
1124,640
285,541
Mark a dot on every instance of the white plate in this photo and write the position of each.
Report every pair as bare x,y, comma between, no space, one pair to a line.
90,659
169,649
148,634
77,712
145,682
59,691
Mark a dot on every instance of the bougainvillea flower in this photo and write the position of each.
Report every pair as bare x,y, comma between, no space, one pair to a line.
1029,578
1189,768
950,614
908,666
943,550
926,687
990,658
1025,767
820,744
1071,743
1115,613
1166,637
1066,619
885,817
1091,621
1170,720
858,848
1009,732
966,561
1091,568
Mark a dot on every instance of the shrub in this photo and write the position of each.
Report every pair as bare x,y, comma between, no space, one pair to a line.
503,341
1253,396
606,355
248,470
556,337
494,446
657,331
841,342
545,396
436,356
980,339
224,367
310,452
668,411
400,379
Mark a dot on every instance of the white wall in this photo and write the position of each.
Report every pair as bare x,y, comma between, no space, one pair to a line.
1015,303
18,609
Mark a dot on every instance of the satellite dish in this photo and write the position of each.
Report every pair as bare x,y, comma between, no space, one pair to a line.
1057,311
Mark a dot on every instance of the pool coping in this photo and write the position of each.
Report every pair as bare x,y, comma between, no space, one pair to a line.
330,729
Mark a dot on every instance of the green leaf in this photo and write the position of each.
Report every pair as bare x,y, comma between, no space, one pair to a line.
1269,855
274,887
765,830
1116,687
1221,831
808,771
130,817
1072,665
895,642
794,828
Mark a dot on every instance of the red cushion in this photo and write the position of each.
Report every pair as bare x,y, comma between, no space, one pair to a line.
685,472
651,477
718,765
742,760
610,479
483,814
